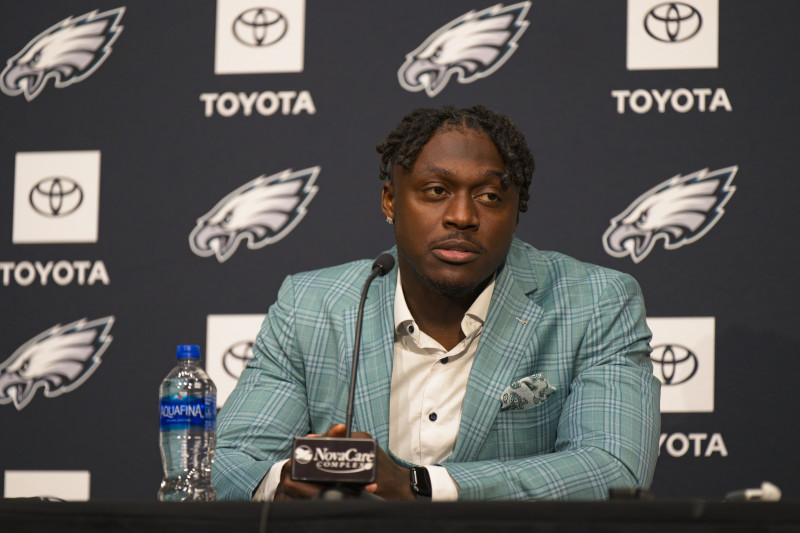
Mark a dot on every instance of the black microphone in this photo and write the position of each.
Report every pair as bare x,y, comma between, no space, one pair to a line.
342,460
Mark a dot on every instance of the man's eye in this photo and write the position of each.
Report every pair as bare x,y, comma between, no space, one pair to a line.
436,191
490,197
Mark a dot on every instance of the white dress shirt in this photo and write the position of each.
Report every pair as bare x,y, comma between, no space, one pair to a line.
428,388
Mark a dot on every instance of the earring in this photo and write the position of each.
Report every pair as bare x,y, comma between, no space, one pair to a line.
389,220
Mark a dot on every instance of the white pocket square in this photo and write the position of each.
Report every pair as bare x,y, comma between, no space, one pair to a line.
526,393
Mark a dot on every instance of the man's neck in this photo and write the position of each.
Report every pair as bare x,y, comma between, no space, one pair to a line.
439,315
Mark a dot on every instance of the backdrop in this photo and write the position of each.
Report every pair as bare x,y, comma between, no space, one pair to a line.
164,165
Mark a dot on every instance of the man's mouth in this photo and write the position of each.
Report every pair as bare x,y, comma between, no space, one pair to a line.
456,251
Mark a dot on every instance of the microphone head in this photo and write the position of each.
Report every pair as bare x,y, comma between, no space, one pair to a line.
384,262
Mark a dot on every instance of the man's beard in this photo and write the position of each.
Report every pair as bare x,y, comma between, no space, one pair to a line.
453,290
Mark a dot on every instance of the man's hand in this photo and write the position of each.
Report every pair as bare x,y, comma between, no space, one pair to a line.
392,480
290,490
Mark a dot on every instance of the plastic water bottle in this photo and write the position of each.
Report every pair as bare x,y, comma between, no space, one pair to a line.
188,415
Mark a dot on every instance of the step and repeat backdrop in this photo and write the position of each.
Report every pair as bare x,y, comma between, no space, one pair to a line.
164,165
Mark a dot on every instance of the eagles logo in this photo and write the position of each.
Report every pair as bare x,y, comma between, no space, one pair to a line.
261,212
471,47
68,52
679,211
58,360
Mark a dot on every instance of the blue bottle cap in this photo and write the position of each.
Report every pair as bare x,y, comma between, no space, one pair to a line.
188,351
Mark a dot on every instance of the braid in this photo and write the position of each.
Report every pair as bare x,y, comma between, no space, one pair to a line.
403,144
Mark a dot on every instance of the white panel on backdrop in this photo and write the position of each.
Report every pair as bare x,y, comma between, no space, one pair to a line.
683,359
229,345
673,35
71,485
253,37
56,197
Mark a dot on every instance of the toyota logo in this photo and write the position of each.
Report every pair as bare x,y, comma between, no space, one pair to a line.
260,26
235,358
675,363
673,22
56,196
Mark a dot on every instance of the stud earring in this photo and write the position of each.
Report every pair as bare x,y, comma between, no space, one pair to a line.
389,220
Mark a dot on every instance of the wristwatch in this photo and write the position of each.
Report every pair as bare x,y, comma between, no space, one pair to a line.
421,483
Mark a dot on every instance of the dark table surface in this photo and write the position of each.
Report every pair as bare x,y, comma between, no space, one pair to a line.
229,517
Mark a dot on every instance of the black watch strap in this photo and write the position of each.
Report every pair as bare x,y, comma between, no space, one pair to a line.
421,483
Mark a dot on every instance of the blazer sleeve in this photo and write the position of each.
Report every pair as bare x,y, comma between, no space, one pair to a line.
607,433
267,407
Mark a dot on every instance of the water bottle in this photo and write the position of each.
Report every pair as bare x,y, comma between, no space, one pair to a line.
188,413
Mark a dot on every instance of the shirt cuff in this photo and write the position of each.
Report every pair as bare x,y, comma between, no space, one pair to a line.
443,487
266,490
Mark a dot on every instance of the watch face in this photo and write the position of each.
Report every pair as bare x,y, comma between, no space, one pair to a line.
420,481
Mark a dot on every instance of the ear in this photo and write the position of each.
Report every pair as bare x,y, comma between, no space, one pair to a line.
387,199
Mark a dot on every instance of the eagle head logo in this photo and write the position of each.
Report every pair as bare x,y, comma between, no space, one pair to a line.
68,52
261,211
680,211
58,360
471,47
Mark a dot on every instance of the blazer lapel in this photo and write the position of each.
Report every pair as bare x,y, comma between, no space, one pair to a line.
374,376
507,333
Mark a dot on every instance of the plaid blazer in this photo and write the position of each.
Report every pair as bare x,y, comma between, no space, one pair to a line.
581,326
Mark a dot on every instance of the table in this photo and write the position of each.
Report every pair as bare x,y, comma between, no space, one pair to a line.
386,517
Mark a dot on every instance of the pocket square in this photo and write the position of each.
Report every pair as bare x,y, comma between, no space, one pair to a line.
526,393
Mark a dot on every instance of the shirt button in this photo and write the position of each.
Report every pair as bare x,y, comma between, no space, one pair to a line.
433,417
445,360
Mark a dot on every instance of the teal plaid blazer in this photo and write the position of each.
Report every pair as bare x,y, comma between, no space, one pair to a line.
579,325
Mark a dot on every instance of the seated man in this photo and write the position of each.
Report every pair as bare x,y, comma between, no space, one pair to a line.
504,372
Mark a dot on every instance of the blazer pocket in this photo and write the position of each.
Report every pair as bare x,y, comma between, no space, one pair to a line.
526,393
525,432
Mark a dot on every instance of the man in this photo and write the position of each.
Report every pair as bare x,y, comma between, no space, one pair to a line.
503,371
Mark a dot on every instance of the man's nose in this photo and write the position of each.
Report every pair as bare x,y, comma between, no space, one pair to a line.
462,212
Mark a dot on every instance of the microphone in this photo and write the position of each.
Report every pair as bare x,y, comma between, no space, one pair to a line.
342,460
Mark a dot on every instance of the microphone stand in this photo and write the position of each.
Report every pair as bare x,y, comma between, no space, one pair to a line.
376,271
341,491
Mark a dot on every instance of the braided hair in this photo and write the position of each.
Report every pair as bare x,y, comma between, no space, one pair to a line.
403,144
